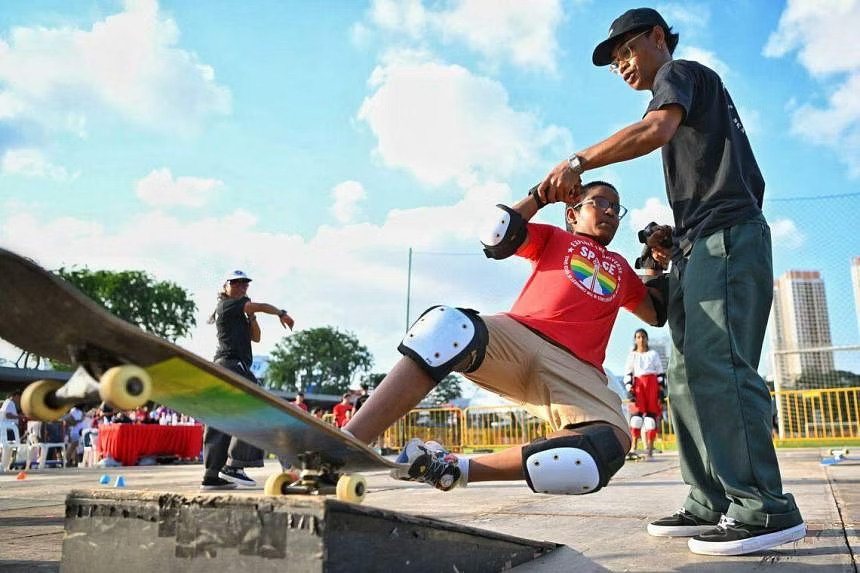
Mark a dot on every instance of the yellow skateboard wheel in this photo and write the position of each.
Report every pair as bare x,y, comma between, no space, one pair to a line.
276,482
125,387
33,401
351,488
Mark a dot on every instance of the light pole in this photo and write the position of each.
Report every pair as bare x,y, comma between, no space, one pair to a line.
408,287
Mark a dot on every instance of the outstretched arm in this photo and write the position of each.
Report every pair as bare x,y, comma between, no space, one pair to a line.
256,307
641,138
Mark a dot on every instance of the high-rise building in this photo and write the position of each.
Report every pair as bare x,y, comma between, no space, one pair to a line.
799,321
855,282
663,347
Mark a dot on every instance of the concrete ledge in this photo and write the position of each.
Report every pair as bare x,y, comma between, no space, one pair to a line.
151,531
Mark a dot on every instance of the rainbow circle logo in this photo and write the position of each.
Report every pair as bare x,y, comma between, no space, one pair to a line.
591,275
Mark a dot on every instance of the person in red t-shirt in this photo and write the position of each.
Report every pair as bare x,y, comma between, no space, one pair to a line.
300,401
546,353
342,410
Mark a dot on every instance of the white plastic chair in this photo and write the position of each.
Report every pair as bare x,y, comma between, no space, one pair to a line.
90,440
39,449
10,447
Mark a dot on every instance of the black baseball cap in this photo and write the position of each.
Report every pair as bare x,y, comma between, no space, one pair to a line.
635,19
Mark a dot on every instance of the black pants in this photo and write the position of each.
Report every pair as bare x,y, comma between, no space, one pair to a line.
220,449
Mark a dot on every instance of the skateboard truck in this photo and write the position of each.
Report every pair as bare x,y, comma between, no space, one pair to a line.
98,377
317,477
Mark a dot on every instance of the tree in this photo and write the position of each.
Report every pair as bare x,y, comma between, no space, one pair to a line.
320,360
445,391
373,379
160,307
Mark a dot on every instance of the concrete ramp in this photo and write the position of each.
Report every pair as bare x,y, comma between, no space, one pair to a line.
126,530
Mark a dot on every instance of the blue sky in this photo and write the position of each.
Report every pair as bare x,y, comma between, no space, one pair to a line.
313,143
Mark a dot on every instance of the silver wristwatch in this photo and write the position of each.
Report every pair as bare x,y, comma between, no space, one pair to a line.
576,163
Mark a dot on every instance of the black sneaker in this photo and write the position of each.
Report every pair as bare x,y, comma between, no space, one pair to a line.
237,476
732,537
681,524
213,483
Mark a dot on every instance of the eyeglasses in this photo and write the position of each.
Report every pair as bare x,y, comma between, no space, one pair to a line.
239,282
624,53
603,204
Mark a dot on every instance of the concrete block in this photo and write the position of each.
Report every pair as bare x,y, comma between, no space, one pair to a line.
119,530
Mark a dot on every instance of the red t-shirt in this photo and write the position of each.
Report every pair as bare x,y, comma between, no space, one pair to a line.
575,290
340,411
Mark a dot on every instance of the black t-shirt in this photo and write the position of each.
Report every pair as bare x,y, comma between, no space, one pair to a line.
234,332
712,178
359,402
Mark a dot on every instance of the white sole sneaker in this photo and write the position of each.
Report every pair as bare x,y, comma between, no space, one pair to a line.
679,530
750,544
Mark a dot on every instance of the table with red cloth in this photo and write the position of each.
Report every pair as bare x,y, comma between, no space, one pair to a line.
126,443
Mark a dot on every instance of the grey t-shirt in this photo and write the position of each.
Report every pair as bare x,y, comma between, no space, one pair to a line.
712,178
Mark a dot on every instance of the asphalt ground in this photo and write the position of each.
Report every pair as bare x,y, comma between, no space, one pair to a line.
599,532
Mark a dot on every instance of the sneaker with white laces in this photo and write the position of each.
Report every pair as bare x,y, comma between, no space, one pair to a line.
237,476
428,463
732,537
682,523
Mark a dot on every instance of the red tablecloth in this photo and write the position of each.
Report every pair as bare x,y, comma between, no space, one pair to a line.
127,442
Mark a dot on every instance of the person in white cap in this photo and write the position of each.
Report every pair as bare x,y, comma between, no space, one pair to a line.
720,287
235,317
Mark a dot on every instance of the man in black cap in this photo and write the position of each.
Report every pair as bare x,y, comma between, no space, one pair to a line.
719,292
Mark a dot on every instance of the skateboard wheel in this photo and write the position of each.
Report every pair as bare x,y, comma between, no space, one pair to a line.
276,482
125,387
351,488
34,400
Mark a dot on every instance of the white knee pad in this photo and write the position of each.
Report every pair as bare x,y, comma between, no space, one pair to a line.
563,470
636,422
574,465
445,339
649,424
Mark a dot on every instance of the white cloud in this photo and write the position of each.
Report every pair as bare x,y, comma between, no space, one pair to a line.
522,33
408,17
347,196
159,188
655,210
443,123
129,63
786,234
686,17
32,163
704,57
821,33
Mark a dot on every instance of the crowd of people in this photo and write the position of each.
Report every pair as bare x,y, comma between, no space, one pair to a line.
72,438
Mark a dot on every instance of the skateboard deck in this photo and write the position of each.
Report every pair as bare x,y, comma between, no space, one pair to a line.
48,316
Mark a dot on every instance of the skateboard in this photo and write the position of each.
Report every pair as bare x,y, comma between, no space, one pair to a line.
837,455
122,365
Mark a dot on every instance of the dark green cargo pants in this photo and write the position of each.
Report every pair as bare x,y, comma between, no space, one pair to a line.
719,302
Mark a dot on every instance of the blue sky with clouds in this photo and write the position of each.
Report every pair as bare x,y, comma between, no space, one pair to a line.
313,143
